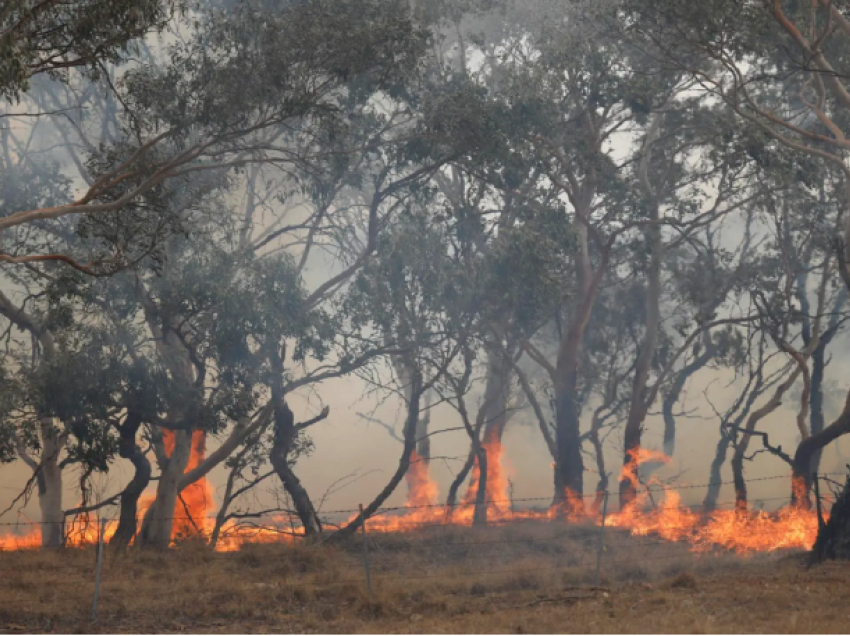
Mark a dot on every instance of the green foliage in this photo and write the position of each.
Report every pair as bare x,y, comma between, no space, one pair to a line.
253,61
51,37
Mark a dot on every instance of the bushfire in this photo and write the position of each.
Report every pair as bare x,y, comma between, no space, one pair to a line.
739,530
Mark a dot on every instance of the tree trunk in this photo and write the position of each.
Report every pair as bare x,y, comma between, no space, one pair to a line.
403,464
743,443
801,469
479,517
284,438
714,479
491,486
672,397
159,519
49,481
602,484
739,482
833,540
496,396
461,476
300,498
639,403
423,441
816,417
128,449
638,406
569,463
560,488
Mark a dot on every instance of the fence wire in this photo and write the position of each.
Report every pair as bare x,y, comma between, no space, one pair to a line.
507,515
580,556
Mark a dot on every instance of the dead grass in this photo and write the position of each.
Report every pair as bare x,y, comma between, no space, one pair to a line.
533,578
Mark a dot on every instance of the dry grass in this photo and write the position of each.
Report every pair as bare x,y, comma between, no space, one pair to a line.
534,578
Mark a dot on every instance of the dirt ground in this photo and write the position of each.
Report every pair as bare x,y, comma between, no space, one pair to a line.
531,580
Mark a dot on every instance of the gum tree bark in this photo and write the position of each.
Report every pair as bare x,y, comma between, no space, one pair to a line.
285,435
129,503
639,404
48,470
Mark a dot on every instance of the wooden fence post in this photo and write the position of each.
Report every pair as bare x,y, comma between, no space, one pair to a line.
99,568
365,552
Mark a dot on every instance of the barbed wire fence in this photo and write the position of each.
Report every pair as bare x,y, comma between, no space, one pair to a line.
507,512
397,548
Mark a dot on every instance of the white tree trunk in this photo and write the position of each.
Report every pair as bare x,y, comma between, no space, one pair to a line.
159,518
50,486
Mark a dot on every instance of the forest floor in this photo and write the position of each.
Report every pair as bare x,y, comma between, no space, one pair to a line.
532,579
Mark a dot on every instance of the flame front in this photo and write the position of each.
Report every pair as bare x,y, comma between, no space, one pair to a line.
739,530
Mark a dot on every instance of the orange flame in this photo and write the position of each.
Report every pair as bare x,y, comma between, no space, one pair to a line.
497,497
194,508
421,489
739,530
192,515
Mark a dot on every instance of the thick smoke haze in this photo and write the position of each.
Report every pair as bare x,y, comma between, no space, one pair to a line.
493,226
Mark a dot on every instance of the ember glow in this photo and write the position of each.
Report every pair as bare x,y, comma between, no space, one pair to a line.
740,530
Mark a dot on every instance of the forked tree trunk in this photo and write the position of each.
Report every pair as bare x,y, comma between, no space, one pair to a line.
833,540
496,417
284,438
48,472
741,447
672,397
159,519
129,504
815,443
638,405
743,406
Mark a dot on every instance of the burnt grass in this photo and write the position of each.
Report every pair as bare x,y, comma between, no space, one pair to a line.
522,578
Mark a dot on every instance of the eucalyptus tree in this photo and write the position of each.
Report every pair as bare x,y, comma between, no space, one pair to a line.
230,88
421,304
52,38
781,67
570,93
32,180
230,97
800,300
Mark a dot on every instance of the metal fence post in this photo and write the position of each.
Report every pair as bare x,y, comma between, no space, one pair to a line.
601,536
99,567
365,552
